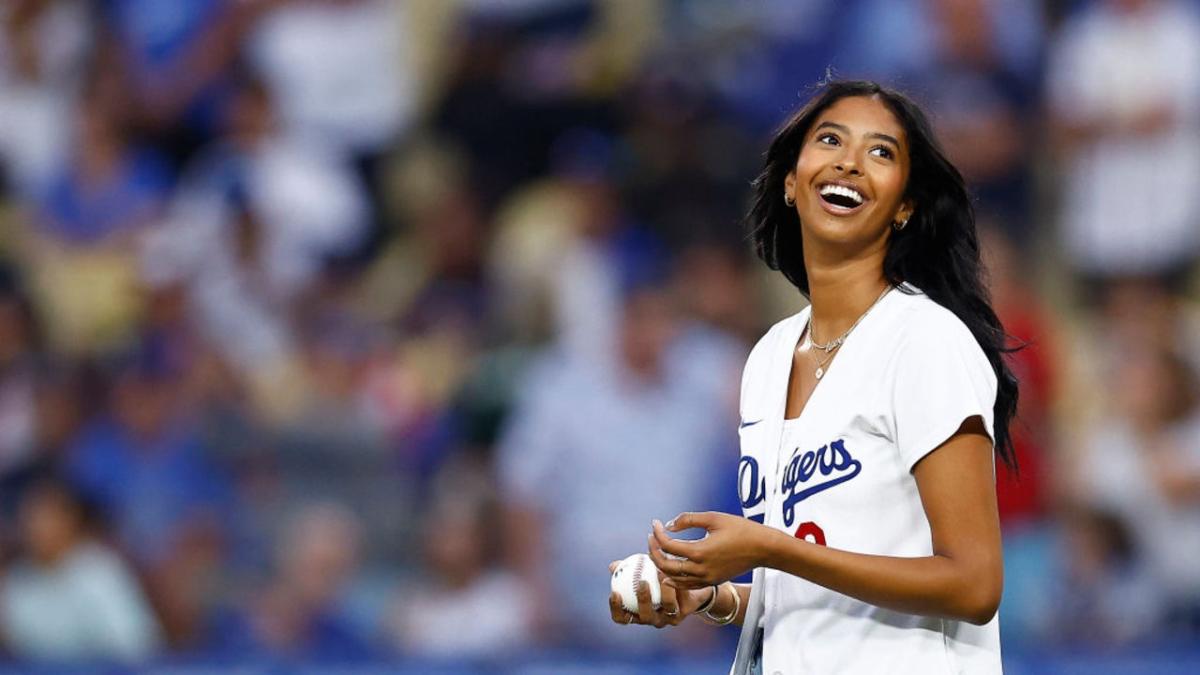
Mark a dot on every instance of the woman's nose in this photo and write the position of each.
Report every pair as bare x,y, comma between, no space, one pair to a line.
847,167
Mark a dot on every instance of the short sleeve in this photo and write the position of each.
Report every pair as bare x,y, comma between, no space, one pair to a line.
941,377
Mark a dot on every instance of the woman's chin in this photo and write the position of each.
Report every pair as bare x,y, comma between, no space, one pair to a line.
843,231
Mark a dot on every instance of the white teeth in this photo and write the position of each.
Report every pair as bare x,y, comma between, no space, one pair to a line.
842,190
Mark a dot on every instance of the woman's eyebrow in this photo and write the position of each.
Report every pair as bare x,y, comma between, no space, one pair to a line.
884,137
835,126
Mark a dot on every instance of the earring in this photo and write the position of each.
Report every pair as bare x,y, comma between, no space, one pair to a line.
900,225
787,199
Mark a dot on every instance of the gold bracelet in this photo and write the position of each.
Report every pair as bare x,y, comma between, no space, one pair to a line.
708,604
737,606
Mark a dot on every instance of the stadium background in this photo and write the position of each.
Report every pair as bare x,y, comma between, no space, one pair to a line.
361,334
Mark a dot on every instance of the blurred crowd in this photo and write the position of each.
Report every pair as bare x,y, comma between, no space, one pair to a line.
353,329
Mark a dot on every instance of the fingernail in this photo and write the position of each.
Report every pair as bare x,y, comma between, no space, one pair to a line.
670,523
655,523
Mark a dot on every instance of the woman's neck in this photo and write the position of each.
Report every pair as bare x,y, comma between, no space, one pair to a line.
841,293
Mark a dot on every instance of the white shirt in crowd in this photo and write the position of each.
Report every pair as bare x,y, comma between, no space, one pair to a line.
87,608
488,617
588,447
309,205
338,70
35,113
1119,476
1130,203
841,474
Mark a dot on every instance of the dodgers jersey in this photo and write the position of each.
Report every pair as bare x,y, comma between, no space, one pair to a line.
841,475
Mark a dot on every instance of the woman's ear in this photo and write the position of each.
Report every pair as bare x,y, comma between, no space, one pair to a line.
789,186
907,208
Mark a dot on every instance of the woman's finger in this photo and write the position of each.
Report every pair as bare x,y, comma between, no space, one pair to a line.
619,615
690,583
675,568
688,520
670,604
678,547
645,613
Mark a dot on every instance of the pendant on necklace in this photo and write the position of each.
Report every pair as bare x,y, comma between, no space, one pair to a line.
820,373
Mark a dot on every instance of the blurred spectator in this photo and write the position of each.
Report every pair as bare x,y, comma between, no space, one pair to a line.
524,63
582,461
144,462
1124,89
982,107
1015,27
673,163
70,598
109,187
18,384
1143,465
587,292
1104,597
561,249
307,203
461,584
300,612
525,255
337,353
56,417
337,69
435,299
249,234
80,254
1024,497
760,57
605,250
716,289
342,76
1148,312
44,45
174,60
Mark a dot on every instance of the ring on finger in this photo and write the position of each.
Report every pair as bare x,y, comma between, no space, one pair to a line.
681,573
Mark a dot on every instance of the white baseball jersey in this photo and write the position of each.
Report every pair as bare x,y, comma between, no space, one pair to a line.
840,475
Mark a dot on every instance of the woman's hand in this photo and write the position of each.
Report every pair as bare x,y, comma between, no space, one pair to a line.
733,546
677,604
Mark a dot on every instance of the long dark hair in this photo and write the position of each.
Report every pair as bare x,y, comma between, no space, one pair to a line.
938,251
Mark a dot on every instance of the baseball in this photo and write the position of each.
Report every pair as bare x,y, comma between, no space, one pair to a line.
630,571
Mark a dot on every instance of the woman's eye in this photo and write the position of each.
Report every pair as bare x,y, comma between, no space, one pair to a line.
883,151
828,139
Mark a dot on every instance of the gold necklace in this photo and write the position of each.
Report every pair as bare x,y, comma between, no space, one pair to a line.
820,372
833,345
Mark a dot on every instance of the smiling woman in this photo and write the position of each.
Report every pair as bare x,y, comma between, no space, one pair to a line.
869,419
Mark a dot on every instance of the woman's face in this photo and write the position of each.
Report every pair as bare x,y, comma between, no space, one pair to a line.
849,180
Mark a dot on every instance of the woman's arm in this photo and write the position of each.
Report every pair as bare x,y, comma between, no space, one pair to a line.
725,602
961,580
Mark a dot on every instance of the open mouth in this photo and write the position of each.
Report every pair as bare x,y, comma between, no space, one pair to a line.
841,197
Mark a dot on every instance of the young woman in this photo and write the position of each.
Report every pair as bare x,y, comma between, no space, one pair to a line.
869,419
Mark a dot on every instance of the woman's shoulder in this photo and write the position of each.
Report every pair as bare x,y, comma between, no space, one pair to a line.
921,322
